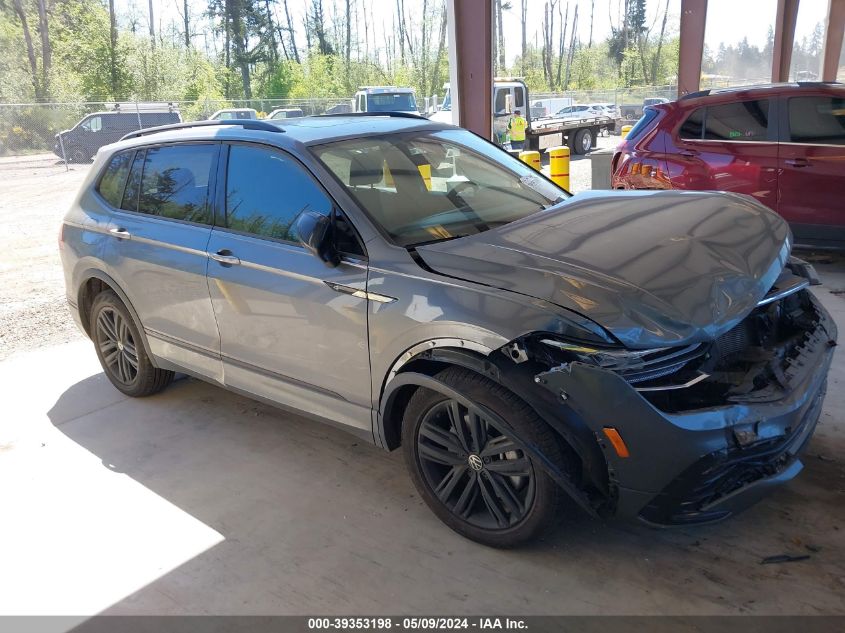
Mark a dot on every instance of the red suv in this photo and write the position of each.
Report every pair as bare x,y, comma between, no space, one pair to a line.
784,144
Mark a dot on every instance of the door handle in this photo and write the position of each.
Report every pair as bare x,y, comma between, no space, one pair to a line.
797,162
224,256
121,234
688,153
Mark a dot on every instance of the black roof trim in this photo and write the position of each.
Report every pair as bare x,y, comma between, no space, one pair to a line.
247,124
399,115
801,84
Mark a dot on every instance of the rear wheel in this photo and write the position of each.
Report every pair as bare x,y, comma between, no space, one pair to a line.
474,477
120,350
584,141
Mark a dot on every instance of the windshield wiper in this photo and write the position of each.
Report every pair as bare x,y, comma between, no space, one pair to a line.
437,240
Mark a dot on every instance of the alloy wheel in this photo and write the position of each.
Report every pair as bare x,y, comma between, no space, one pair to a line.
117,346
476,471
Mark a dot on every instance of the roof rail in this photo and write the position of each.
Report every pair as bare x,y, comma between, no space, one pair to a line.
766,86
399,115
693,95
247,124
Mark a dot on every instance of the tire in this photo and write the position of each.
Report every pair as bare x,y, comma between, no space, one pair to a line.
78,155
462,487
117,342
584,141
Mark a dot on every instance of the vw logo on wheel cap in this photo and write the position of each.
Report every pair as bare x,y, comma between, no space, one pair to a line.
475,462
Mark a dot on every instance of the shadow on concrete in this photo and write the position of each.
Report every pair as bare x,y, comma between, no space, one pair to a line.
315,521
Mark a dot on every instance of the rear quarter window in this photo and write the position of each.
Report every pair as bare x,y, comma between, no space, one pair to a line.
113,180
693,127
649,114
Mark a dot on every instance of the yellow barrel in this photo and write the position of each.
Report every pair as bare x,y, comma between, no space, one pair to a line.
425,172
625,130
559,166
531,158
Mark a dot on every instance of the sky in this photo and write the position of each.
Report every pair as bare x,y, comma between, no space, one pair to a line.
728,20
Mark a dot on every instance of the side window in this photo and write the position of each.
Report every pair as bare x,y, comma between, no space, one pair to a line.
817,120
266,191
174,182
693,127
741,121
95,124
114,178
519,97
501,101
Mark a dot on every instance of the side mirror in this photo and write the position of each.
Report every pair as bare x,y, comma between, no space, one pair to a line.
315,234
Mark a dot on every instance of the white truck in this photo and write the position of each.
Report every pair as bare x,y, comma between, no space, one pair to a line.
385,99
510,94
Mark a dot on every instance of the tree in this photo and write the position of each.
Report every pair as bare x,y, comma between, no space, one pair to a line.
522,18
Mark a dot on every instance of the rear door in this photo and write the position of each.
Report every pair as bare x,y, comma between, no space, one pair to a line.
291,328
157,252
812,167
727,147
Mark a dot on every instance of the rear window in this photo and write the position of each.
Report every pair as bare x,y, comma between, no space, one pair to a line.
172,182
742,121
113,179
649,114
817,120
391,101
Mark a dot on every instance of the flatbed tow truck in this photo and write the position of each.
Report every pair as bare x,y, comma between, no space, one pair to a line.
511,94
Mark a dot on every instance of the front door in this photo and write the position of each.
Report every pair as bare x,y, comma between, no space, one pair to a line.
727,147
812,168
291,331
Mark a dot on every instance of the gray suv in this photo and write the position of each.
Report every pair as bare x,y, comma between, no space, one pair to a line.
650,355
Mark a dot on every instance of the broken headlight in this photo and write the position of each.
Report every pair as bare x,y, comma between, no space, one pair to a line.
633,365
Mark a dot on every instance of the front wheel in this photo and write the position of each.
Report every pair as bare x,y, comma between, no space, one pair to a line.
120,349
78,155
475,478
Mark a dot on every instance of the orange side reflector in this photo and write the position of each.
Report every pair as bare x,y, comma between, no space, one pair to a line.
617,441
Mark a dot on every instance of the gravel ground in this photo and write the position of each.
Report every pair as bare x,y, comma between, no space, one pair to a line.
35,192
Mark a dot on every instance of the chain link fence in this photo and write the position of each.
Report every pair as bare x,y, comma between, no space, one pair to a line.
28,132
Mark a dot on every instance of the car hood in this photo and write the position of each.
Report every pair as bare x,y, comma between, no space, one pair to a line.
652,268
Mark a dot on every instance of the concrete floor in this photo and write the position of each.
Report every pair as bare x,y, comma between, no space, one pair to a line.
198,501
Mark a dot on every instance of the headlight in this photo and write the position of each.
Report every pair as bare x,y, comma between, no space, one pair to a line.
633,365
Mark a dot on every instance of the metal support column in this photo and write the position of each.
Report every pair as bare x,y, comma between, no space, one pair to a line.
833,39
785,18
693,19
471,64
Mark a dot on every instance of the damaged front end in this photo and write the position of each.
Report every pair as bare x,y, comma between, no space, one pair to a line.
694,433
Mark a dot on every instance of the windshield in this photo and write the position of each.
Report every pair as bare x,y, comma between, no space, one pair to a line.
423,187
391,102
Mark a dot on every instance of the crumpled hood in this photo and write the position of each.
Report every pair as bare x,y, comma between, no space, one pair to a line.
653,268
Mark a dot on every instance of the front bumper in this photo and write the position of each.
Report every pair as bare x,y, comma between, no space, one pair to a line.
702,465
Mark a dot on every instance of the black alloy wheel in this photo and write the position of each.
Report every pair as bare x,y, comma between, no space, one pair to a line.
478,473
117,340
117,346
476,479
